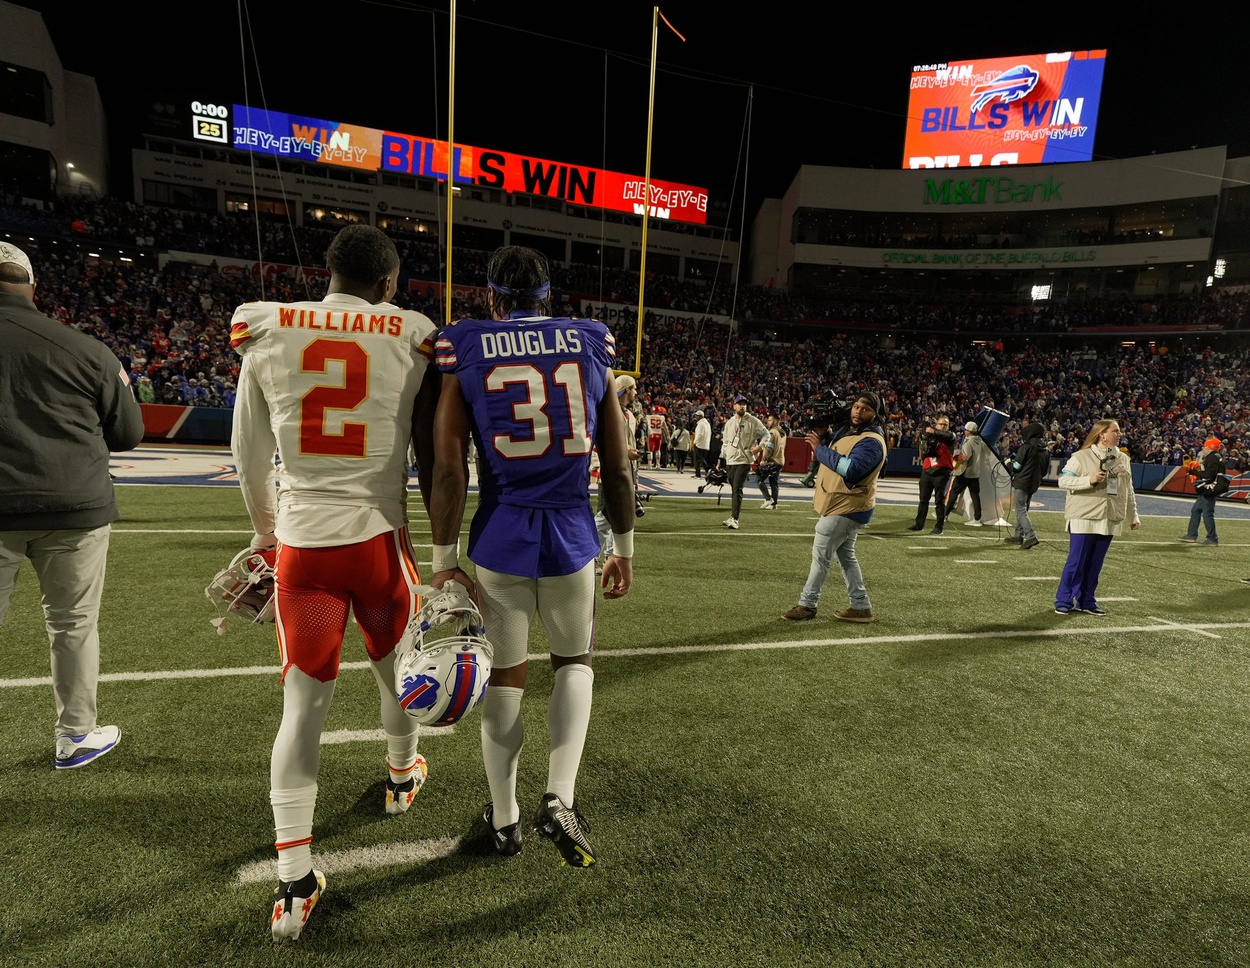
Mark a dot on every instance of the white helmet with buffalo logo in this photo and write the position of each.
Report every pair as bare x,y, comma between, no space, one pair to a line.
443,659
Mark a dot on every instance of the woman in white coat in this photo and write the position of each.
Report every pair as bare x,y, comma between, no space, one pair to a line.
1098,484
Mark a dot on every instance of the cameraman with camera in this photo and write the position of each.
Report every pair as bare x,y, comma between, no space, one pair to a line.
937,461
850,446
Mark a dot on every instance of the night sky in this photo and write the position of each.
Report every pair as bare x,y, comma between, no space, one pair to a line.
740,104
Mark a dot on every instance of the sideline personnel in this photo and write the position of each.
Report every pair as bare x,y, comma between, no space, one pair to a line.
851,457
742,432
1205,471
65,403
938,460
973,457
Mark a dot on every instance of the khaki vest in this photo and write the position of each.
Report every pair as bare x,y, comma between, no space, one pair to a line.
833,496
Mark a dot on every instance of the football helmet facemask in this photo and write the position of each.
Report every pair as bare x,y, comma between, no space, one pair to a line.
441,673
246,588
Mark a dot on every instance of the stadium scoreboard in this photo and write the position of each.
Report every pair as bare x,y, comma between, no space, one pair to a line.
1025,110
300,138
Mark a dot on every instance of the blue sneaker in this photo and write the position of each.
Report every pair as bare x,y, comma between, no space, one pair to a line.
74,751
1063,609
1092,610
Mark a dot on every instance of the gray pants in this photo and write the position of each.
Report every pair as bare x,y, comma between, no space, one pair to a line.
738,474
70,566
1024,527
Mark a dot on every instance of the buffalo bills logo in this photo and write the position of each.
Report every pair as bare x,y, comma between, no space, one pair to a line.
418,692
1009,86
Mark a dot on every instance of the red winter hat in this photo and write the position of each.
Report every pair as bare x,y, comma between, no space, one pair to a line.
1212,444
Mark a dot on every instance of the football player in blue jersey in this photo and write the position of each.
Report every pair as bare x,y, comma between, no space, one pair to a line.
535,394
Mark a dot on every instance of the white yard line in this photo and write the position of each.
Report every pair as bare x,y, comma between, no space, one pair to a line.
1179,625
338,736
1068,628
342,861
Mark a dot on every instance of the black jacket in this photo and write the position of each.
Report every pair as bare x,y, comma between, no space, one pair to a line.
1212,467
64,405
1032,460
937,448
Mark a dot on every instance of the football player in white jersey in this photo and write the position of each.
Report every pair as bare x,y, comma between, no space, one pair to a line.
338,388
535,394
657,433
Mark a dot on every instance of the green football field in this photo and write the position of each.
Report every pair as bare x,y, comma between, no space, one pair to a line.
971,780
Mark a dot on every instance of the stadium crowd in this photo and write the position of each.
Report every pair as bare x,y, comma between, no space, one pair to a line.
168,325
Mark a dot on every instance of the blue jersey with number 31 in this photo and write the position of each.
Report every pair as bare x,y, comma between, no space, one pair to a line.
532,386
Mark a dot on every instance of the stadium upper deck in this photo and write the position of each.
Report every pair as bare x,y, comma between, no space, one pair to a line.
1161,225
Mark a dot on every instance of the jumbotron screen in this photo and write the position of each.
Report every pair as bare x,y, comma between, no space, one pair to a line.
302,138
1024,110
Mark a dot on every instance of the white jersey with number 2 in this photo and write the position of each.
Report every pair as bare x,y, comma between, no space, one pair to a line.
330,387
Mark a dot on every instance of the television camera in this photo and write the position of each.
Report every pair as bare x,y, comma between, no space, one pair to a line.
828,408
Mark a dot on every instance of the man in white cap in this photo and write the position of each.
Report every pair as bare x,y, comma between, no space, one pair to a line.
702,444
65,402
972,458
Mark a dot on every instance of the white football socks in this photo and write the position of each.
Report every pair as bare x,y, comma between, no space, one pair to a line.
568,719
292,822
503,735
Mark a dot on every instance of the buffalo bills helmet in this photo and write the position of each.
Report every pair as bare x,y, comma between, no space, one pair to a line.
443,659
245,587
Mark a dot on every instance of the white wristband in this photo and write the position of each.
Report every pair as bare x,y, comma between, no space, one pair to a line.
446,557
263,542
623,544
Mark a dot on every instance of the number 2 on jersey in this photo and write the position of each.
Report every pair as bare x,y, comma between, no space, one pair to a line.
314,439
533,411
